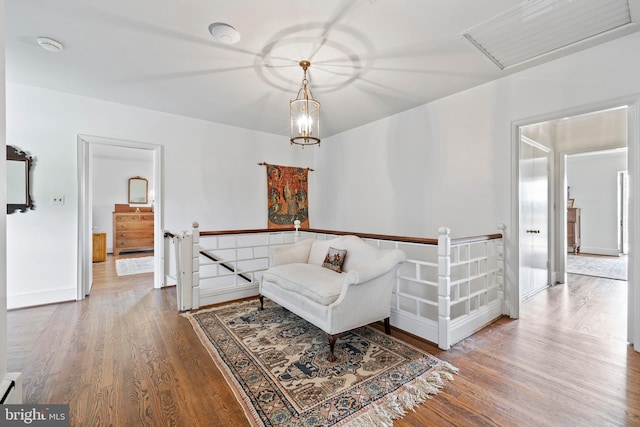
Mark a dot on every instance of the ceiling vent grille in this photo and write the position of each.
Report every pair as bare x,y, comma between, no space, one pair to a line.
537,28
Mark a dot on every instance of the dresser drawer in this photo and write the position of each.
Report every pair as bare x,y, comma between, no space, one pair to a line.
128,234
140,242
133,225
135,217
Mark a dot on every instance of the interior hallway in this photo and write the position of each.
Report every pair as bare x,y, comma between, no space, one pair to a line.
124,356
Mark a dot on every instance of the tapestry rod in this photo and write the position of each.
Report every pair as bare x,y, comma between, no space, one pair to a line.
265,164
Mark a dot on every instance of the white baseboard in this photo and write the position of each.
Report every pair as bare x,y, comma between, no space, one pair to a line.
215,296
41,298
423,328
465,326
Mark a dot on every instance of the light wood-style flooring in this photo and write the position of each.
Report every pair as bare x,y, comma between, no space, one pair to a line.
125,357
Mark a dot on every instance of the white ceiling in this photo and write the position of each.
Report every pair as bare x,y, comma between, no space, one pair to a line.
370,58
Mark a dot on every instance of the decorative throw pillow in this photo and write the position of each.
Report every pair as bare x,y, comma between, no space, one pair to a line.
334,259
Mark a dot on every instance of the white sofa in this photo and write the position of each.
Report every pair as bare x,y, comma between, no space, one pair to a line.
334,302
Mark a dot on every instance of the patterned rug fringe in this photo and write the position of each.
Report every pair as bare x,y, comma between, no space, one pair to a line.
394,406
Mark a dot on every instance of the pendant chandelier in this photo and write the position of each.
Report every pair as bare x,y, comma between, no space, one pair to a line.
305,114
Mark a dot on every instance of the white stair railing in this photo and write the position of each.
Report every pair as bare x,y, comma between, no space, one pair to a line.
444,291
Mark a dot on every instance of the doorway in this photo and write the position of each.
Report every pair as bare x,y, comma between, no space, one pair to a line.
562,146
597,198
86,145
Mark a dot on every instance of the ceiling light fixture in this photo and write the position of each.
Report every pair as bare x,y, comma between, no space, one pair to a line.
224,33
304,113
50,44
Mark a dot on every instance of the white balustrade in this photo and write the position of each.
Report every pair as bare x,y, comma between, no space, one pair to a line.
443,293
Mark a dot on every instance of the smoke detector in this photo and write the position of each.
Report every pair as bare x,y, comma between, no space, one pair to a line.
224,33
50,44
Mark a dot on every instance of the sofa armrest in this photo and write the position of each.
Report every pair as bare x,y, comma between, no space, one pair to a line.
365,273
291,253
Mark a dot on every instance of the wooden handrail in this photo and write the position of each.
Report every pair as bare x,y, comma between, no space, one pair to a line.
427,241
462,240
421,240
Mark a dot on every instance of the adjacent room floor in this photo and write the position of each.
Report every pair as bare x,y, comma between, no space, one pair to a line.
124,356
608,267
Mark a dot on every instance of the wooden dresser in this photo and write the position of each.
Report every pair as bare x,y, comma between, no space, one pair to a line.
132,230
573,229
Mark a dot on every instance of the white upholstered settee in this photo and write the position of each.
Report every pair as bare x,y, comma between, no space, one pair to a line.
334,302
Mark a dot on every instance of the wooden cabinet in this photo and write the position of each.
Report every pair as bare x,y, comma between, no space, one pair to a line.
99,247
573,229
132,230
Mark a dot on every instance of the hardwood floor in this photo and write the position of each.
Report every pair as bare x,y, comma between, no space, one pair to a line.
125,357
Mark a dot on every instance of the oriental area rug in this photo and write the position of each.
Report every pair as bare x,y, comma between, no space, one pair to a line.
608,267
277,366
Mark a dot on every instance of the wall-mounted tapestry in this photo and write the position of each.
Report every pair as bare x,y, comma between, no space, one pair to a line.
287,192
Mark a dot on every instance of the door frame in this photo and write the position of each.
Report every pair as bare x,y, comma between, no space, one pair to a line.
623,211
85,207
512,300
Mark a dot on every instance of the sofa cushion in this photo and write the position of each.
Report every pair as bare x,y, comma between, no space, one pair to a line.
312,281
293,252
360,253
334,259
319,249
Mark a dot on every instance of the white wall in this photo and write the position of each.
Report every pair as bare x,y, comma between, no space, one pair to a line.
110,179
210,176
448,162
594,186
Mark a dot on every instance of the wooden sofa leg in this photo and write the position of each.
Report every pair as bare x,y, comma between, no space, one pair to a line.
387,326
261,302
332,345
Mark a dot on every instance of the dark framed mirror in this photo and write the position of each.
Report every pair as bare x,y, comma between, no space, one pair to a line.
138,190
19,166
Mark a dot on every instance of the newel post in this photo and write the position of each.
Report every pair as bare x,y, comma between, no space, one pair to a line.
444,290
188,275
184,275
166,261
195,265
296,224
503,293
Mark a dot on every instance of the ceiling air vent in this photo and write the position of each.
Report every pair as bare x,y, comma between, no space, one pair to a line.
537,28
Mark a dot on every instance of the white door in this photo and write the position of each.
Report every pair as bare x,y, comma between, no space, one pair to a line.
534,217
